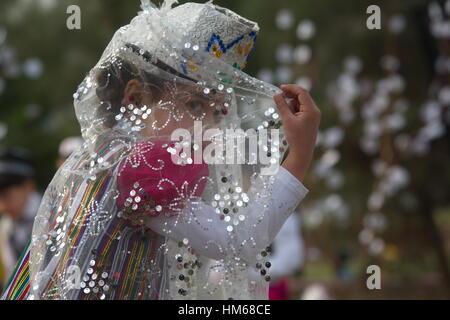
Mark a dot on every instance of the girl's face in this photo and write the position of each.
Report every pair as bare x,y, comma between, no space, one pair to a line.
176,106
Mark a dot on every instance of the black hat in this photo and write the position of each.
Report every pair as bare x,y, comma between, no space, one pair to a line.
16,166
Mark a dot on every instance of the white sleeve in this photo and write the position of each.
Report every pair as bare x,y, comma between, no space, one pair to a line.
207,233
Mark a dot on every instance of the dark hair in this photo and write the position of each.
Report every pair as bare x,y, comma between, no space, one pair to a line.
16,167
112,79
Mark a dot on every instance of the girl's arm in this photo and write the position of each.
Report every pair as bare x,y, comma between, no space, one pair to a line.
264,217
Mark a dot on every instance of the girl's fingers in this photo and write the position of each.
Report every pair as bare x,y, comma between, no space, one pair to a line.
295,91
282,105
288,93
293,103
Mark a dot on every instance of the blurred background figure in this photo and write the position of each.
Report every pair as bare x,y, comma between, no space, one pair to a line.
316,291
19,202
287,257
67,147
343,265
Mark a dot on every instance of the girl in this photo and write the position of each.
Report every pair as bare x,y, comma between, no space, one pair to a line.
132,214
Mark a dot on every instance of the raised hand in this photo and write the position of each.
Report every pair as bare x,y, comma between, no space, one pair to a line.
301,118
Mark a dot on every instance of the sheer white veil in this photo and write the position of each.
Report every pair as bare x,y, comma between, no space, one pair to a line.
80,245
